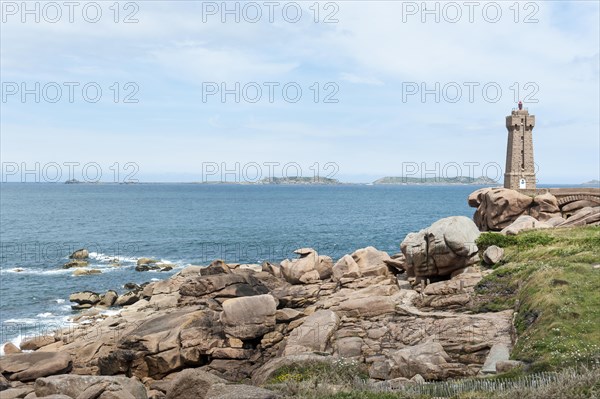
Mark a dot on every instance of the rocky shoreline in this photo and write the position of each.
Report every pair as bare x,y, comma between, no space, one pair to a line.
198,334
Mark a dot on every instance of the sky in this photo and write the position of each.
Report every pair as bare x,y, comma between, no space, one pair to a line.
237,91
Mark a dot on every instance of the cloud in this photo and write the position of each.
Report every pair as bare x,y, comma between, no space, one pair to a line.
370,53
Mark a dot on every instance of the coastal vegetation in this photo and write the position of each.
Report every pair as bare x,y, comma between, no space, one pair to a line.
552,279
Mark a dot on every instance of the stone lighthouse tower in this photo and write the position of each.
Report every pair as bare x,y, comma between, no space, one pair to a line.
520,169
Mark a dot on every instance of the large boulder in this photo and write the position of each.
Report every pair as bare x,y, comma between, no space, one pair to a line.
429,360
223,285
498,352
493,254
23,391
476,197
584,216
192,383
84,299
108,299
36,342
544,207
346,267
314,334
80,254
86,272
146,261
371,261
572,207
74,386
499,207
450,294
129,298
447,245
10,348
309,268
249,317
75,263
33,365
365,307
216,267
198,384
159,345
523,223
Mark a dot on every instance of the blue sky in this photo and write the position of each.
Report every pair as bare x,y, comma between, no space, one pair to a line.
368,61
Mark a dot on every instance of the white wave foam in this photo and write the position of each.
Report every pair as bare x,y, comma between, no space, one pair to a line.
112,312
14,270
35,270
57,271
111,258
45,315
27,321
59,301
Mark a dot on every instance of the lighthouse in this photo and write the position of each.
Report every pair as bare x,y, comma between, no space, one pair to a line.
520,169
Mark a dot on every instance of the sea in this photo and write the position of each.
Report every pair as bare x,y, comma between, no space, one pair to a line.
185,224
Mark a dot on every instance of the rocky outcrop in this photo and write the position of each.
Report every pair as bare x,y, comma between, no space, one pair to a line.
10,348
146,261
33,365
249,317
445,246
87,386
223,286
493,254
129,298
346,268
84,299
585,216
313,334
544,207
199,384
107,300
192,334
36,343
429,360
498,353
497,208
362,263
309,268
86,272
80,254
75,263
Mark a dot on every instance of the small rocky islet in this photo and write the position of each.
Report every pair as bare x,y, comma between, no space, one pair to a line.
405,317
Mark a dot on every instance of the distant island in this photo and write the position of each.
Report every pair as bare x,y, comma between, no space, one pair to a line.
299,180
317,180
483,180
594,183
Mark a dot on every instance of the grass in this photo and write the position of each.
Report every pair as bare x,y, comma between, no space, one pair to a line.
548,277
322,382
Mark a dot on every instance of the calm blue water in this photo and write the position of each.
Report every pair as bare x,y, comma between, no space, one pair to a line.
41,224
